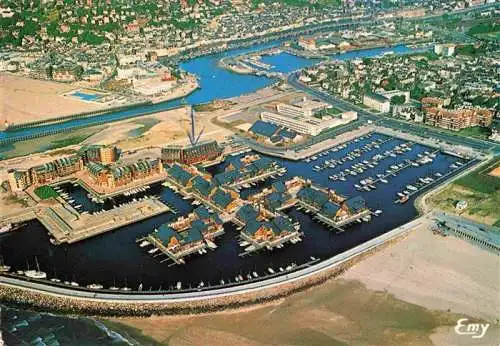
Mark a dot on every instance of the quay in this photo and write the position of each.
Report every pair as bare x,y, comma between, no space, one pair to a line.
66,225
261,177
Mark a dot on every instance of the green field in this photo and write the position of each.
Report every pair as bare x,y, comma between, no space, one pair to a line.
46,192
145,125
50,142
334,111
480,180
480,190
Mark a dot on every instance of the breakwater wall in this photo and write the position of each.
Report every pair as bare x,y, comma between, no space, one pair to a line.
43,297
76,116
20,138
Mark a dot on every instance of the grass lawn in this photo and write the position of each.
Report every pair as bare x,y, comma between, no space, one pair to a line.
334,111
479,180
480,190
46,192
37,145
476,132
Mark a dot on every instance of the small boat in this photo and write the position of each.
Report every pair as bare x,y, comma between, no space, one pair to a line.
94,286
152,251
403,199
270,270
255,275
179,285
411,187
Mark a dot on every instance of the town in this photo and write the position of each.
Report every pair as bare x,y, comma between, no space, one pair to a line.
290,163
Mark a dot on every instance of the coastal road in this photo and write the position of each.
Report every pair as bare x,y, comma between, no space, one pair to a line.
397,124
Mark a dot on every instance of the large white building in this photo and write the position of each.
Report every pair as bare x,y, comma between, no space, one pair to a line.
377,102
303,108
301,116
309,125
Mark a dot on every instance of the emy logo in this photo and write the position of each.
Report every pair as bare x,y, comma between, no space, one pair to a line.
475,330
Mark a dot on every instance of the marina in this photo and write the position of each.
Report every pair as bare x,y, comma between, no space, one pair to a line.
125,262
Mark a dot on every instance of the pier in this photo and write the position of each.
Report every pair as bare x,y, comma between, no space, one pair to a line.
66,225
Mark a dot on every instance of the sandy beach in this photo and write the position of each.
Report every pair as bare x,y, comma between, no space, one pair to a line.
437,273
411,293
24,99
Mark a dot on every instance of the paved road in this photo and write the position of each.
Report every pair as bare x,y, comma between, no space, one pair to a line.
394,123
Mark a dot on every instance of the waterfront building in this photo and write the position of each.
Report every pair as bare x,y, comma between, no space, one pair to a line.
19,180
226,199
180,175
377,101
248,167
43,174
269,233
307,43
192,154
458,119
105,154
68,165
331,207
209,224
202,186
116,176
176,244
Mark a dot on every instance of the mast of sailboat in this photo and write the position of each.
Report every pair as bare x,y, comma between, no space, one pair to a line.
37,265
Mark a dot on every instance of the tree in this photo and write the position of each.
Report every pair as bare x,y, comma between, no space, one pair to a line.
398,100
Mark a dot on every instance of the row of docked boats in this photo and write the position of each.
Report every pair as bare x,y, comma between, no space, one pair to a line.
411,189
337,148
354,154
123,204
136,190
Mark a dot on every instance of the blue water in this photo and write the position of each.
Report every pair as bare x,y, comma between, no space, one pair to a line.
115,259
85,96
215,82
285,62
21,327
